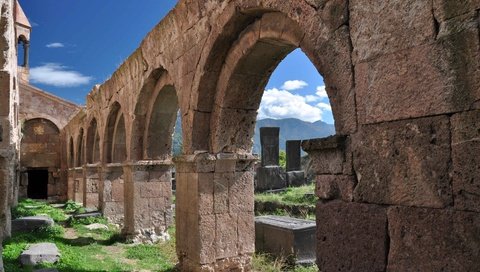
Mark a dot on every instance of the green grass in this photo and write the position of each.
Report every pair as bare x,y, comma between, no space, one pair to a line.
292,195
28,207
266,263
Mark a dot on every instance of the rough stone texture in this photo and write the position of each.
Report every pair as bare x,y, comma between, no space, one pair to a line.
40,253
286,237
293,155
217,208
270,178
466,163
148,198
329,155
92,180
112,203
270,146
433,240
330,187
399,75
31,223
356,232
295,178
412,163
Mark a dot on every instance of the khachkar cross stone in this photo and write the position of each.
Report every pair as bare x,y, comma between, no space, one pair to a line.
269,139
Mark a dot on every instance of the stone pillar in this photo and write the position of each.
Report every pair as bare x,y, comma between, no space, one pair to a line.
148,200
112,193
93,174
270,175
214,212
70,184
78,184
270,148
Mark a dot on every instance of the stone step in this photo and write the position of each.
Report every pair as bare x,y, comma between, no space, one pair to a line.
40,253
31,223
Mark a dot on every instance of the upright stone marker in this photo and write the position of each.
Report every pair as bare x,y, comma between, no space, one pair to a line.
293,155
269,138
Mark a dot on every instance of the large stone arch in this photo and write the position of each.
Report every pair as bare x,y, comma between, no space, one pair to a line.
80,150
93,142
115,150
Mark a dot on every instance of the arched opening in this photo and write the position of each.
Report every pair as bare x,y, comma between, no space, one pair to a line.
115,140
23,48
80,152
71,154
263,39
40,155
93,143
160,137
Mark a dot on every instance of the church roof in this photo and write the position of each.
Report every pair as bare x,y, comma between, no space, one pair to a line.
20,17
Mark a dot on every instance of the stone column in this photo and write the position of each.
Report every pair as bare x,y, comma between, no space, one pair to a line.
148,200
78,184
214,212
112,193
70,184
93,174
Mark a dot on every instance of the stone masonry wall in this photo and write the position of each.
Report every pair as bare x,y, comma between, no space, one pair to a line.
400,179
9,135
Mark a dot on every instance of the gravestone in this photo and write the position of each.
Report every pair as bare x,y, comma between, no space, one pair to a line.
270,175
269,139
294,176
31,223
286,237
294,155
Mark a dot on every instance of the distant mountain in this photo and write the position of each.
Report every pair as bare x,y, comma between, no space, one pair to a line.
290,129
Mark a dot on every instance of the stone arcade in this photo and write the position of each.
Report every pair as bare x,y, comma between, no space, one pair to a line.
398,187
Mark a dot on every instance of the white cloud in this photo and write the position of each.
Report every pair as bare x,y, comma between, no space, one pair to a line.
321,92
57,75
292,85
278,104
311,98
324,106
55,45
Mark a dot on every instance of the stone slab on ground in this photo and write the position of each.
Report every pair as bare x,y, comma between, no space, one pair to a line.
40,253
31,223
87,214
286,237
96,226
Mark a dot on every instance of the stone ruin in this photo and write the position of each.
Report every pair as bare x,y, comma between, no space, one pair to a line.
269,175
398,185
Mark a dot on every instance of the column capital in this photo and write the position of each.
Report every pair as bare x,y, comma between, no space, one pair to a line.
204,162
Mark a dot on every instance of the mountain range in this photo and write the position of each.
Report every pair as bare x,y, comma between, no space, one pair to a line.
290,129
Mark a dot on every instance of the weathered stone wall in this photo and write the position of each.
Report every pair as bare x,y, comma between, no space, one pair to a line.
42,117
9,135
403,81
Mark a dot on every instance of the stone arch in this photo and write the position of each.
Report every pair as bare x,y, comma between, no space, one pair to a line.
80,150
145,101
329,50
71,153
115,135
24,42
93,142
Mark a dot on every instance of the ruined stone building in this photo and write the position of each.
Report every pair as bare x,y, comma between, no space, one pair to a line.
398,187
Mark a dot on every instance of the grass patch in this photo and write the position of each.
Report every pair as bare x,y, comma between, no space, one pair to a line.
292,195
266,263
29,207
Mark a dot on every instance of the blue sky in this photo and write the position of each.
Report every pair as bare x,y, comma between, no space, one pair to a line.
77,44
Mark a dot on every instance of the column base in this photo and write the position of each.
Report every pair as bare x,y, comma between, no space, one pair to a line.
238,264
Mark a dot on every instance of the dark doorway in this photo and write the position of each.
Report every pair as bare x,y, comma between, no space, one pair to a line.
37,184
